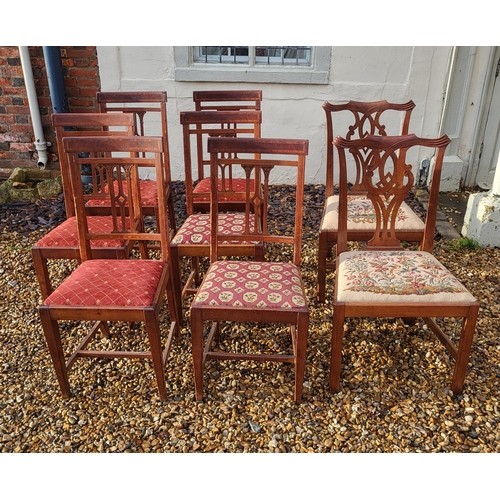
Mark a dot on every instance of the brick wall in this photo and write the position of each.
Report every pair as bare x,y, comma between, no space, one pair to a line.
81,79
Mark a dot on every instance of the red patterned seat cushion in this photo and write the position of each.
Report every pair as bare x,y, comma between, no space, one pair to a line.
196,228
202,190
149,195
117,283
66,234
243,284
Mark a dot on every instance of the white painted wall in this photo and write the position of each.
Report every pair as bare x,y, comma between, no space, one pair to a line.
294,110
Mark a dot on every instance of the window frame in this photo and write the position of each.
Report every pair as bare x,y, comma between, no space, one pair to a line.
186,70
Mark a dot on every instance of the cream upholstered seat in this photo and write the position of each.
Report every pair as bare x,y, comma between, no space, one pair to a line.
361,216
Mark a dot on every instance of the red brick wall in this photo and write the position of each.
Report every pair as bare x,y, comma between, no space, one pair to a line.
81,78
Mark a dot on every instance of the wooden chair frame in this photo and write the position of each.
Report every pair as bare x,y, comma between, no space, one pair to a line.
377,154
127,213
367,118
227,100
55,245
141,103
204,124
268,154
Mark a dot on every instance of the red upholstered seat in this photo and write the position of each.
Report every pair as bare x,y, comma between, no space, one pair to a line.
196,228
252,284
66,234
237,189
149,196
103,282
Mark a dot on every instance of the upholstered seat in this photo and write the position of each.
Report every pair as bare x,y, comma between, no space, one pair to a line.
398,276
149,196
258,284
114,283
196,228
66,234
361,216
233,193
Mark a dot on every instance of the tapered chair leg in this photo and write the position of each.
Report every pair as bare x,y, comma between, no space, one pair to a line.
322,256
197,352
336,349
300,353
53,338
154,336
42,273
463,351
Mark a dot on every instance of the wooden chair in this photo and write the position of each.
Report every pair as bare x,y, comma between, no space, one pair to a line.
148,108
122,290
356,120
62,241
385,281
192,239
198,126
227,100
248,291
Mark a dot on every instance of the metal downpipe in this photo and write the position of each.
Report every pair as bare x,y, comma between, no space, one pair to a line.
40,143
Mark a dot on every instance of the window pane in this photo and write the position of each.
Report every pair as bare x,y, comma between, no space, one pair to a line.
290,56
221,54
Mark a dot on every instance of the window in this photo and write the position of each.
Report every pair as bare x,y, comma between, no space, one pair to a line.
263,64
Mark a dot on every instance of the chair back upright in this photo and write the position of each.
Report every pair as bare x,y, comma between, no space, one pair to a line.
270,161
357,119
198,125
89,125
386,178
117,161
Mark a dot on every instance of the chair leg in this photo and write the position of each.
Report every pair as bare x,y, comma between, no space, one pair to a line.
336,347
300,354
42,273
53,339
175,277
464,347
322,256
154,336
197,352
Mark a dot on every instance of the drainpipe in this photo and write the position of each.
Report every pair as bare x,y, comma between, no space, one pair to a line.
52,56
40,144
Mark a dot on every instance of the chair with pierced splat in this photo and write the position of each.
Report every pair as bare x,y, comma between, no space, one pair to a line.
150,113
356,119
193,236
61,243
385,281
270,293
102,290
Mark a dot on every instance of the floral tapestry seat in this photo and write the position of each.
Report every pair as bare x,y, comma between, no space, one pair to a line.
361,216
398,276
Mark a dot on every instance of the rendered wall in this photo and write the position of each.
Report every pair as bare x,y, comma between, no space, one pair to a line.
294,110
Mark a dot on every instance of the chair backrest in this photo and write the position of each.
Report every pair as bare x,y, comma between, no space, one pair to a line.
263,159
227,100
357,119
387,178
88,124
198,125
141,103
117,161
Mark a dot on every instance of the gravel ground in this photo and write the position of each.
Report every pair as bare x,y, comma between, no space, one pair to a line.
395,395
